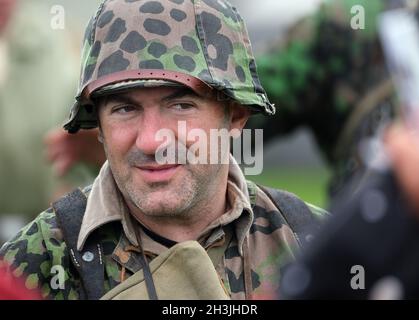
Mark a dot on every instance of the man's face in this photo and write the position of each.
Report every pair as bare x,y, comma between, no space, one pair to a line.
129,123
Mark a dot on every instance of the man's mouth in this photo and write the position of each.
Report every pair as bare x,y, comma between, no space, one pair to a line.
158,173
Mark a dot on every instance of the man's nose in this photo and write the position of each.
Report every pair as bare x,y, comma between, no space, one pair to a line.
150,124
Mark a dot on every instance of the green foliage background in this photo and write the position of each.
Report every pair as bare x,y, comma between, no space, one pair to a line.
310,184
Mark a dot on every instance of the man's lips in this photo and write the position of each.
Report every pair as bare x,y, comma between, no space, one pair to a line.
157,167
157,173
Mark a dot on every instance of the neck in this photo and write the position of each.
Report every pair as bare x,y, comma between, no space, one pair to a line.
191,225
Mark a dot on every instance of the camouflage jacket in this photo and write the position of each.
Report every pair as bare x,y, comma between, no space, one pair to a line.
330,76
40,246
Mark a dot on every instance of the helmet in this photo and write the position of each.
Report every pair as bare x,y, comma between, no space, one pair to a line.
201,44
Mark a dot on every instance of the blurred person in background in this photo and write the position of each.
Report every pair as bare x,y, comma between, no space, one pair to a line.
367,250
65,151
330,76
37,73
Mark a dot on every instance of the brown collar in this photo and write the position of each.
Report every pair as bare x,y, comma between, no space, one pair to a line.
105,204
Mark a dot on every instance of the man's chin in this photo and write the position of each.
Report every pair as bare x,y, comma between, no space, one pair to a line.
164,201
162,208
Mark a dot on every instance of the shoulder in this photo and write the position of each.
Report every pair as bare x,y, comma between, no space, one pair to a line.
35,250
36,243
42,237
267,196
301,217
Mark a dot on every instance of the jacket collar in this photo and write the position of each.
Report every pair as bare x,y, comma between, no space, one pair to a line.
106,204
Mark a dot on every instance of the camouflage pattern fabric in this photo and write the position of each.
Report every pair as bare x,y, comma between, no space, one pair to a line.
40,246
322,75
206,39
201,38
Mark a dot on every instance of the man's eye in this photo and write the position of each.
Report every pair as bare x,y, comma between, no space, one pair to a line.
183,106
123,109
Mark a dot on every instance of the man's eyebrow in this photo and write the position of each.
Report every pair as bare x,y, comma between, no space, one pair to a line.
179,94
119,98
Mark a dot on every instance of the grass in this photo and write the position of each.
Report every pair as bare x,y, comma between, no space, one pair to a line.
310,184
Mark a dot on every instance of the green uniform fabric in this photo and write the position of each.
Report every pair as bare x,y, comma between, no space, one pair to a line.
39,246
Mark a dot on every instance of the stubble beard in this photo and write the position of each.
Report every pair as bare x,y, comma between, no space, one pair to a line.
180,198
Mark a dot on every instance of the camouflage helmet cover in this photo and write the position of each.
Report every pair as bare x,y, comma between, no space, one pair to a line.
202,44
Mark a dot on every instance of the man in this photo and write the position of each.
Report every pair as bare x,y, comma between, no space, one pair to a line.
330,77
147,66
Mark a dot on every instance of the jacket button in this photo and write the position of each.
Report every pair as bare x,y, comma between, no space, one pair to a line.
88,256
309,238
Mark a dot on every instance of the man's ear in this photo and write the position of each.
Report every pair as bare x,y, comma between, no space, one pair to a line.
100,136
100,133
98,104
239,116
